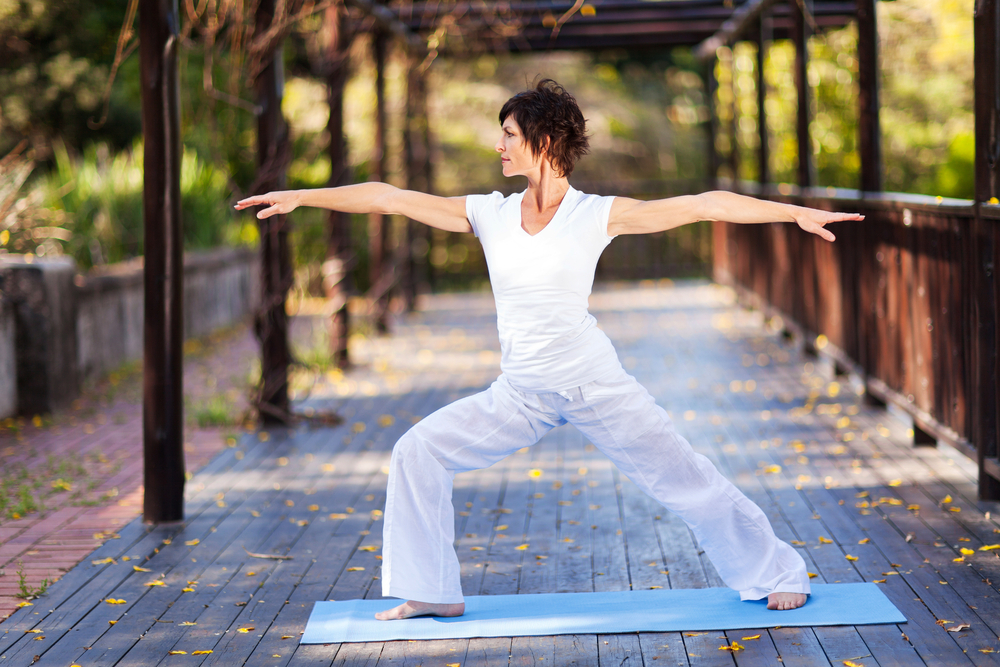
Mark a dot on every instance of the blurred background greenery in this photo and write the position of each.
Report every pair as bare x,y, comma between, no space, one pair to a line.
73,186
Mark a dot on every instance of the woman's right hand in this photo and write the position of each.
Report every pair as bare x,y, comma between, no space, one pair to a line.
279,203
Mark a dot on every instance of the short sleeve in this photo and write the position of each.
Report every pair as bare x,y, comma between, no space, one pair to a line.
476,207
604,215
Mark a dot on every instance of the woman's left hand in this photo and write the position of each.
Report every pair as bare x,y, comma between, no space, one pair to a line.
813,220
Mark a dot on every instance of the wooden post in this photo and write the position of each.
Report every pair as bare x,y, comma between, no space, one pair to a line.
275,264
764,36
711,126
734,131
377,235
338,248
414,149
163,274
869,133
984,241
800,34
986,60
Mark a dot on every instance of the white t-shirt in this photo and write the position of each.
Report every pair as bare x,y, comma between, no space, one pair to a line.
541,283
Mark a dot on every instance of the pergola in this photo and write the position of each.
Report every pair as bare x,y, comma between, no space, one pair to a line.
827,281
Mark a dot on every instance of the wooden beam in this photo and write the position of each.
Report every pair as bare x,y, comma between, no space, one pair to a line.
763,140
275,267
387,22
869,132
163,270
742,20
339,247
801,35
377,233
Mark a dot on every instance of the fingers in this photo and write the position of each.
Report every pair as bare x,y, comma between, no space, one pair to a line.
251,201
268,212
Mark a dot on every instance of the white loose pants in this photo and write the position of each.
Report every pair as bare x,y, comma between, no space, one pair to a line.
619,416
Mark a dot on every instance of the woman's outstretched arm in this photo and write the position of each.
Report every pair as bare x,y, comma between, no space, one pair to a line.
631,216
446,213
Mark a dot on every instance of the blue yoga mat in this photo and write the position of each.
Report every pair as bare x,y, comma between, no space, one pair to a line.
600,613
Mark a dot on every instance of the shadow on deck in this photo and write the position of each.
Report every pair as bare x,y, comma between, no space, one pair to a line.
834,476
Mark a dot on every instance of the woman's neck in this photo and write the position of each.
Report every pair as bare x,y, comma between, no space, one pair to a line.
545,189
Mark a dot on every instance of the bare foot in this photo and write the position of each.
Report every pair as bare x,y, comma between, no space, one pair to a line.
412,608
782,601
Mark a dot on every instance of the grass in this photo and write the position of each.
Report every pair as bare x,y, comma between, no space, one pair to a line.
26,591
217,410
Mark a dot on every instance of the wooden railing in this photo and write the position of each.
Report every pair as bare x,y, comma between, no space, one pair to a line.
907,298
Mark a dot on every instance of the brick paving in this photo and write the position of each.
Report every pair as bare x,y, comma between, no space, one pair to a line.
83,466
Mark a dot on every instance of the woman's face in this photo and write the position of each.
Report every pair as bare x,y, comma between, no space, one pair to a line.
515,156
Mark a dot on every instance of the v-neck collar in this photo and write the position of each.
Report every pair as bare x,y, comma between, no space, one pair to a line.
522,232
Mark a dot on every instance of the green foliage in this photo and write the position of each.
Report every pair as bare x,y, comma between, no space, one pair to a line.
91,208
55,57
925,97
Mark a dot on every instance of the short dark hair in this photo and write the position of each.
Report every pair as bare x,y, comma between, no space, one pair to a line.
551,122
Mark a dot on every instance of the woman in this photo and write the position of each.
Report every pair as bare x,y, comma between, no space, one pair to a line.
542,247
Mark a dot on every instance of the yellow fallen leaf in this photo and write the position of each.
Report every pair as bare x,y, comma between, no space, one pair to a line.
24,604
746,639
989,547
40,638
797,543
114,601
942,622
355,569
986,650
251,574
141,569
33,631
386,420
337,515
954,509
966,552
694,634
734,647
177,653
879,581
812,575
155,583
187,590
476,548
895,482
522,547
453,664
946,499
201,652
850,557
112,622
254,513
652,587
245,630
302,522
358,427
863,494
851,663
535,473
960,559
103,561
288,636
368,548
913,507
864,541
187,623
314,508
565,503
193,542
290,503
823,540
595,507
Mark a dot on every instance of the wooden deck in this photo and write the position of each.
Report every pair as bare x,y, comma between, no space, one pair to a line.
836,476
